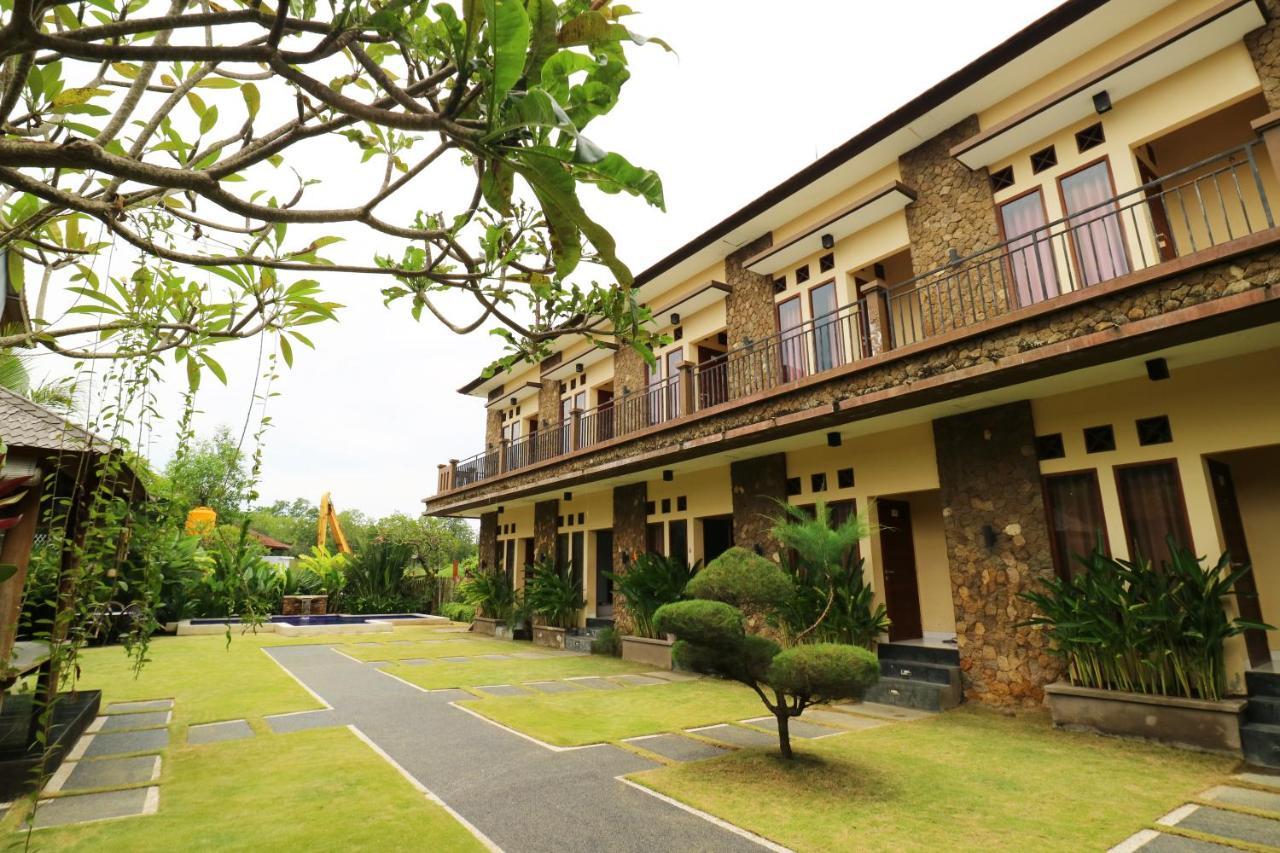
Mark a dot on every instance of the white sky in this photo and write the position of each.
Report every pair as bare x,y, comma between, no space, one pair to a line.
757,91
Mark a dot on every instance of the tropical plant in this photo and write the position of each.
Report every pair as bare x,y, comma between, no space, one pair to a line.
328,568
458,611
712,637
491,594
552,595
376,579
651,581
212,472
833,601
1124,625
607,642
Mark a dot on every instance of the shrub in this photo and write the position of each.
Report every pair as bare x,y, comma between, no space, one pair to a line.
1122,625
648,583
376,579
552,596
824,669
458,611
328,568
706,623
743,579
491,594
607,642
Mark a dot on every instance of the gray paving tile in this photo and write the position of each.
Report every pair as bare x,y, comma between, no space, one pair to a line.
1254,799
1164,843
797,728
637,680
282,723
376,663
111,772
1233,825
678,747
849,722
553,686
597,683
67,810
217,732
532,655
416,661
457,659
494,657
119,743
737,735
503,690
449,694
126,722
1270,780
884,712
148,705
673,675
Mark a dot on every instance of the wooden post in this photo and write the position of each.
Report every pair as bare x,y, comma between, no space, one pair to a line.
877,307
575,430
441,473
16,551
688,390
503,456
453,473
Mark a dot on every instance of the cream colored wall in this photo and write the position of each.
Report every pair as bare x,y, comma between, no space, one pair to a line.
1256,473
1144,31
707,493
856,192
522,518
597,512
933,572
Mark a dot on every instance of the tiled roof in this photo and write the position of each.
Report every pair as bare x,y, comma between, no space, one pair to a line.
267,542
27,424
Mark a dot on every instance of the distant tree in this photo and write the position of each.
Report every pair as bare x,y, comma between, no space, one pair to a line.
435,541
212,473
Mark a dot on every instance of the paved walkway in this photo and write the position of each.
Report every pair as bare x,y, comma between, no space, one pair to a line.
1244,813
523,796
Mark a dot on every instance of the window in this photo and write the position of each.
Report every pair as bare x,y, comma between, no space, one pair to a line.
1074,506
1030,253
1091,137
1001,179
675,358
792,346
1153,509
779,284
793,486
844,478
678,537
682,503
818,482
653,538
1045,158
828,347
1093,224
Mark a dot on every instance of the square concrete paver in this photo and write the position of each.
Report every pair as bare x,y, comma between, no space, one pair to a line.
673,675
84,807
677,747
217,732
417,661
1234,825
282,723
494,657
737,735
597,683
503,690
1269,780
797,728
848,722
637,680
553,686
1163,843
884,712
111,772
131,707
119,743
456,659
128,722
1266,801
531,655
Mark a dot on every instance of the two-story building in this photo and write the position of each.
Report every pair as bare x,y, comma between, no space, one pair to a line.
1039,301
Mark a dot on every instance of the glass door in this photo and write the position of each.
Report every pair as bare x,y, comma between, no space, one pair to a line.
1093,225
675,358
791,345
1030,254
828,344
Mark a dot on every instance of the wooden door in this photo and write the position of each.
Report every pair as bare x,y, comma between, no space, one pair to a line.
717,537
1224,495
1165,244
898,552
604,417
713,386
604,564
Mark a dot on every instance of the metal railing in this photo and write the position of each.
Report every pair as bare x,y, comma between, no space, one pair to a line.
1203,205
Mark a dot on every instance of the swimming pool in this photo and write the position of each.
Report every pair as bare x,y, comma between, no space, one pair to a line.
333,623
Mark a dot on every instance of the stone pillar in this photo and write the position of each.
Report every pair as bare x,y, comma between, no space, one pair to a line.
1264,47
545,514
758,485
954,210
629,520
990,488
629,407
549,403
492,427
487,543
750,315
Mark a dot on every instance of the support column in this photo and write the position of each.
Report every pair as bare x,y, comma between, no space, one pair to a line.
997,539
545,514
487,543
629,519
758,485
1264,48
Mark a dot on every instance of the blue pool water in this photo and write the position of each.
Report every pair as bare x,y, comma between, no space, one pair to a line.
329,619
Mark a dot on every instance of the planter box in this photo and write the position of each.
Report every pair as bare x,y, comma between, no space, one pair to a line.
1192,723
486,626
654,653
552,638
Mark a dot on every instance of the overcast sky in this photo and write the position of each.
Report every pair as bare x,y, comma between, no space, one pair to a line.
757,91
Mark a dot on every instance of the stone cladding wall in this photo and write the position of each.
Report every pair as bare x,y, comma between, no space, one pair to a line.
492,427
487,542
628,538
990,487
757,484
549,404
1264,47
545,515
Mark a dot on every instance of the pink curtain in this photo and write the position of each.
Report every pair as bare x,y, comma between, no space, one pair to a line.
1031,255
1094,225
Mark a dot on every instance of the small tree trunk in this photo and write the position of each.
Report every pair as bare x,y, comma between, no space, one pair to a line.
784,733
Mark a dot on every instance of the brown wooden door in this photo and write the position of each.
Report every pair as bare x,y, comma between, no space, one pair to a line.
713,386
1159,216
898,552
1224,495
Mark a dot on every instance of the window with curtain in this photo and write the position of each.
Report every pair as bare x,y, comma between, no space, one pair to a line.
1093,224
792,354
827,342
1030,254
675,358
1152,507
1075,515
654,541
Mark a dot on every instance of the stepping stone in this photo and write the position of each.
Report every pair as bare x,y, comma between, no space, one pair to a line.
218,732
797,728
366,644
1232,825
143,720
131,707
1264,800
677,747
450,694
1149,841
637,680
530,655
848,722
111,772
282,723
1269,780
737,735
494,657
85,807
119,743
553,686
416,661
884,712
503,690
457,659
672,675
596,683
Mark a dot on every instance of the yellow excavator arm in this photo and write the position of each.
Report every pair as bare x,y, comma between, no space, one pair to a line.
329,516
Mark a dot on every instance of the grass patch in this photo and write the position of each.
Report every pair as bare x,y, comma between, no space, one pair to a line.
454,647
572,719
968,779
477,672
262,794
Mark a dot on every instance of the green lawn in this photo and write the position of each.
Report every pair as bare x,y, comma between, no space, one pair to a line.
478,672
571,719
454,647
319,790
966,780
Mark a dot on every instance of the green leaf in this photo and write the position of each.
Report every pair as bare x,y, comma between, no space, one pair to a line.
613,173
215,367
497,183
208,120
509,37
7,570
286,351
217,83
543,20
252,99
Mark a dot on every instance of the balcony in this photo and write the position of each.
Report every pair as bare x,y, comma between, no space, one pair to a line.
1183,213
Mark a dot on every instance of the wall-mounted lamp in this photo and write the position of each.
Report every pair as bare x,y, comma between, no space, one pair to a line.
1157,369
568,496
578,368
1102,102
833,439
514,401
668,475
828,241
675,319
499,509
988,536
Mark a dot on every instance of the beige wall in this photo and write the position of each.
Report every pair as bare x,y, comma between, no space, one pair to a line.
1256,473
706,492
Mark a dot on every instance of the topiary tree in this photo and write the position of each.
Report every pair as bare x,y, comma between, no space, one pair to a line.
712,638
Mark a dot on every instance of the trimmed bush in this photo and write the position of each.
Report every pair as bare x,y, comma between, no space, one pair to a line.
744,579
707,623
829,670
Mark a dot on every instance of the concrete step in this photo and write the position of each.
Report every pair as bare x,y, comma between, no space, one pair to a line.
1261,744
1262,683
1263,709
908,693
912,671
937,655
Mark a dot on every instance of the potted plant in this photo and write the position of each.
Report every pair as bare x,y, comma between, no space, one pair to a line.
1143,648
651,581
491,594
554,601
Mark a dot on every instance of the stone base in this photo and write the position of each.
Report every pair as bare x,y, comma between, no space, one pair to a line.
654,653
551,638
485,626
1190,723
299,605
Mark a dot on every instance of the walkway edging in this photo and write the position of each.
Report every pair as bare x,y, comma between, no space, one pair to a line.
707,816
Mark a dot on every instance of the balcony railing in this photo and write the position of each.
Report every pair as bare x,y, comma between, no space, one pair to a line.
1203,205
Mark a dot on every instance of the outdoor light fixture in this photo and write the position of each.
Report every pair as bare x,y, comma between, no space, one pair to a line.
833,439
568,496
675,319
1102,102
668,475
1157,369
988,536
828,241
514,401
499,510
578,368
